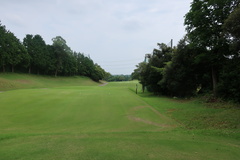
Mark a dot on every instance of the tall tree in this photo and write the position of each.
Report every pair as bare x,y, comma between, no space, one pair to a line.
56,59
204,24
30,47
156,66
40,53
59,54
4,56
58,40
229,84
15,50
141,73
150,74
61,51
179,75
37,49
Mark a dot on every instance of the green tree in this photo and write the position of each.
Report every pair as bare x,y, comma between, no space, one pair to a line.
155,68
204,24
4,56
232,23
88,67
69,67
150,74
40,53
37,49
61,52
179,75
141,74
59,41
29,45
102,74
51,61
229,84
15,50
56,59
232,30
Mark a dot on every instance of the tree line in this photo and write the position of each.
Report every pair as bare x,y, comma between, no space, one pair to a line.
206,60
34,56
117,78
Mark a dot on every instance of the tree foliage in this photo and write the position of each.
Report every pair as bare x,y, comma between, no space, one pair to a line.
12,52
150,74
118,78
37,50
179,75
205,60
3,47
40,58
204,24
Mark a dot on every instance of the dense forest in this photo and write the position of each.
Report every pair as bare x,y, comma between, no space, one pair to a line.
206,60
34,56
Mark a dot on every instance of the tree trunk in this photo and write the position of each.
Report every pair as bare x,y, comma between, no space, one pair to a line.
29,70
143,88
56,73
214,80
3,67
12,68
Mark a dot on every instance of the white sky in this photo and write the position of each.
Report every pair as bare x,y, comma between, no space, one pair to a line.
115,33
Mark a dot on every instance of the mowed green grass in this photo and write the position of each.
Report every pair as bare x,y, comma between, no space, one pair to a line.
107,122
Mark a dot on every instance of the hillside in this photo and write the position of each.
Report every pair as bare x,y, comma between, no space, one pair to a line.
10,81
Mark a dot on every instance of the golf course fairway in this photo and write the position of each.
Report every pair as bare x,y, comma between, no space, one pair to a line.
108,122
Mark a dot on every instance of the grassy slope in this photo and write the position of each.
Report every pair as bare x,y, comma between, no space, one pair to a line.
109,122
9,81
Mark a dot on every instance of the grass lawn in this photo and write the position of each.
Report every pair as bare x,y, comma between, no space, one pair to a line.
109,122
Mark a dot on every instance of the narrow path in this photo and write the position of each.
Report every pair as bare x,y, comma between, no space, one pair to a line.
104,84
165,120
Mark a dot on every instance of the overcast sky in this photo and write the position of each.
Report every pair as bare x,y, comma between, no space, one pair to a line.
115,33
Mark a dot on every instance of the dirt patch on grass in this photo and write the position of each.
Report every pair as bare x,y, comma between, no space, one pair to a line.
137,108
23,81
137,119
172,110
